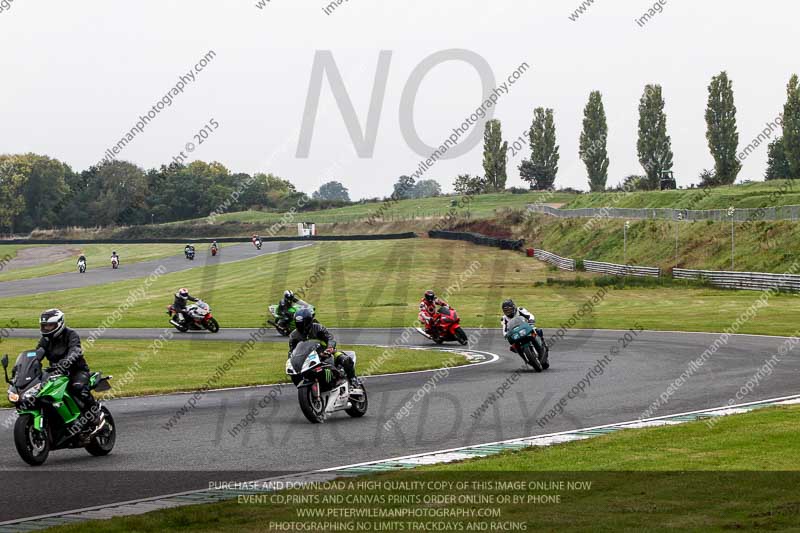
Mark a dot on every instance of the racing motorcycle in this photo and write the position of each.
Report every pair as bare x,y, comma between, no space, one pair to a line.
446,327
283,325
214,251
81,266
49,417
257,243
114,263
197,317
523,337
189,253
322,388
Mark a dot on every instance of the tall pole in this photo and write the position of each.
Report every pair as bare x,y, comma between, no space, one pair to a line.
625,239
677,225
731,213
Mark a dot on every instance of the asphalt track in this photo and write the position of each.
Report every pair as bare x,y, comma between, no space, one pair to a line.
150,460
100,275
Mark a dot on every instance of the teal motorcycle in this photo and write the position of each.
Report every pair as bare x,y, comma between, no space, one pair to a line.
528,343
49,417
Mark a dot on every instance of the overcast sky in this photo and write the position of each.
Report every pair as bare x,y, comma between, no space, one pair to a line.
77,75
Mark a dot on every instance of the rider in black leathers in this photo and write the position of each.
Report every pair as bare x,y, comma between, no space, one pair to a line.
62,347
181,297
308,329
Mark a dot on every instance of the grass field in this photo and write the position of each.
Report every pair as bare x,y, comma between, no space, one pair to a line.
743,474
183,365
97,255
379,284
760,246
753,195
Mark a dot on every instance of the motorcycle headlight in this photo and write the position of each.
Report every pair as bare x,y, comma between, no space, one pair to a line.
13,397
30,393
289,367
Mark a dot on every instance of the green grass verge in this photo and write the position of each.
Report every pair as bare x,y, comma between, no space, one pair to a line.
760,246
379,284
750,195
679,477
183,365
97,255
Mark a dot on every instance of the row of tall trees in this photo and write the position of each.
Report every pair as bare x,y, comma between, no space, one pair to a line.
40,192
654,145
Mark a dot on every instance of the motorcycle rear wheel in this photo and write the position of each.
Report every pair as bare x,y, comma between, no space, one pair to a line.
314,410
183,328
32,445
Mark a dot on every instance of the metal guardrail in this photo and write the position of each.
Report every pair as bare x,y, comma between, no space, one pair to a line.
621,270
561,262
757,281
786,212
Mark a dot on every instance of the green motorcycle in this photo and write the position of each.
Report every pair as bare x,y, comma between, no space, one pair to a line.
49,417
528,343
285,324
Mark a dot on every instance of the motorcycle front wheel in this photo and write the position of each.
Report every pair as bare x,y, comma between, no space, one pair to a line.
32,445
313,408
102,443
531,357
358,407
461,337
212,325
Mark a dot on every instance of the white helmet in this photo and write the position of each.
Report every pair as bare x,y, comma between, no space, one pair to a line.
51,323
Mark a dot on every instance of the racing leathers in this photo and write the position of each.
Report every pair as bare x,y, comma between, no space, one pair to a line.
539,342
427,310
65,355
320,333
180,305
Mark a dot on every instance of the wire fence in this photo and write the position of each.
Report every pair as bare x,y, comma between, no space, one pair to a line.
785,212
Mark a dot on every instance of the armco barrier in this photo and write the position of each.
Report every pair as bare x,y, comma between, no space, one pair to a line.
757,281
477,238
621,270
561,262
173,240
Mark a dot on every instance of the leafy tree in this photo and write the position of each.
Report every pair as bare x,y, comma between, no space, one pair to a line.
654,146
495,156
722,134
403,188
791,127
632,183
542,168
118,193
777,164
466,184
593,144
13,173
426,189
332,191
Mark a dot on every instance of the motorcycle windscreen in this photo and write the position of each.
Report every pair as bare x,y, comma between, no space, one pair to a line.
27,370
301,352
516,322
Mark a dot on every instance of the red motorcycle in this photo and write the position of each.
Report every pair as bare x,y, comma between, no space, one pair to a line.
196,317
446,327
213,251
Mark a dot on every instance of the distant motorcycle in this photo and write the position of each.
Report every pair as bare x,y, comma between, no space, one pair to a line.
81,266
189,253
49,417
214,251
322,388
446,327
283,325
528,343
198,317
257,243
115,263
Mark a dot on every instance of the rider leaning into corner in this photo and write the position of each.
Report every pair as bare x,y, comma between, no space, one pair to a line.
62,347
427,309
308,329
510,312
289,299
181,298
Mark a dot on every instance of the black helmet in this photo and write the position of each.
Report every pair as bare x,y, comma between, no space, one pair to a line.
430,296
303,320
509,309
289,296
51,323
